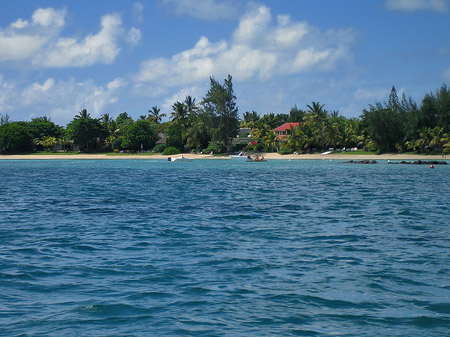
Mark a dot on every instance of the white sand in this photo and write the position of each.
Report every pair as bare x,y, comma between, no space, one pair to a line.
270,156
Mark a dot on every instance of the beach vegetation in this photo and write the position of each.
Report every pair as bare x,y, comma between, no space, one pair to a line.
4,119
155,115
159,148
15,137
213,126
140,135
220,103
215,148
171,150
86,132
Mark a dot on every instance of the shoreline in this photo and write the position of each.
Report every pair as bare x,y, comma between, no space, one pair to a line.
268,156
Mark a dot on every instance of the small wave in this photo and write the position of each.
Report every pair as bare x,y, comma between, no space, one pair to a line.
442,308
430,322
109,310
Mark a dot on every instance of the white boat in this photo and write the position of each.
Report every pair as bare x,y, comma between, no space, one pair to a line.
239,156
180,158
325,153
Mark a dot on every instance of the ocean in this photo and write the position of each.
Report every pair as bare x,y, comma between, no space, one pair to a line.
223,248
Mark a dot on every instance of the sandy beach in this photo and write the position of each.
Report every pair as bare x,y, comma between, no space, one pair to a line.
269,156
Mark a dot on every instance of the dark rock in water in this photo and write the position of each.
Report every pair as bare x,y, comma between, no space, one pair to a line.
421,162
361,162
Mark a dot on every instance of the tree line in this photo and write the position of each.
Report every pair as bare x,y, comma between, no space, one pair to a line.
397,125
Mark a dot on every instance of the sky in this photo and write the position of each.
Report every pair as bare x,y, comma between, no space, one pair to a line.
58,57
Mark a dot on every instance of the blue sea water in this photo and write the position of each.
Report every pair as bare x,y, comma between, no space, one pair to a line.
223,248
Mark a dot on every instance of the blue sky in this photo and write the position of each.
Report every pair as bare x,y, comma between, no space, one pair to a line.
58,56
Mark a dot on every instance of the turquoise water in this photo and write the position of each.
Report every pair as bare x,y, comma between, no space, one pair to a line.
223,248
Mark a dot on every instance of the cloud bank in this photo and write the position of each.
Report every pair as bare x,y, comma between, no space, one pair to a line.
261,47
414,5
39,41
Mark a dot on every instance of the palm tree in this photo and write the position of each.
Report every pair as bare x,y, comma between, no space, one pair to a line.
272,140
317,113
438,138
423,141
179,113
250,119
295,138
191,106
318,117
154,115
83,114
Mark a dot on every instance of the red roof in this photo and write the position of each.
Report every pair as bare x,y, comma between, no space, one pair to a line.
286,126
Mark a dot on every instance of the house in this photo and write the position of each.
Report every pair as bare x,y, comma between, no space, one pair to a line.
281,131
243,136
162,138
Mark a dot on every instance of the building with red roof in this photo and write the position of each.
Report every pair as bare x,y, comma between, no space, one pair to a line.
281,131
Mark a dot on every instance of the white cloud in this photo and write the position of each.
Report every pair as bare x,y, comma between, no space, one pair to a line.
133,36
205,9
179,96
18,46
138,12
40,42
253,26
187,67
7,95
48,17
258,48
20,23
37,92
371,95
99,48
414,5
60,100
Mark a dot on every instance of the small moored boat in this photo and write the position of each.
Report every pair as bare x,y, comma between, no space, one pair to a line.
180,158
257,159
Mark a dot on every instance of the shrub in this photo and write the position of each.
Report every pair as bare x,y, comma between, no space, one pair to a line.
170,151
285,150
259,147
117,143
159,148
215,148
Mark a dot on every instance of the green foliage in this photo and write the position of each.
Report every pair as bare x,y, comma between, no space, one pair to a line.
117,143
140,135
384,127
155,116
174,135
168,151
220,102
286,150
86,132
15,137
42,127
215,148
4,119
47,142
123,122
159,148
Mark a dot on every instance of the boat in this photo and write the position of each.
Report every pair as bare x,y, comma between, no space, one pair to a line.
180,158
325,153
239,156
255,160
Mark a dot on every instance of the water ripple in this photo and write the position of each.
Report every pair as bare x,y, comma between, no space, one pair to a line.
221,248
